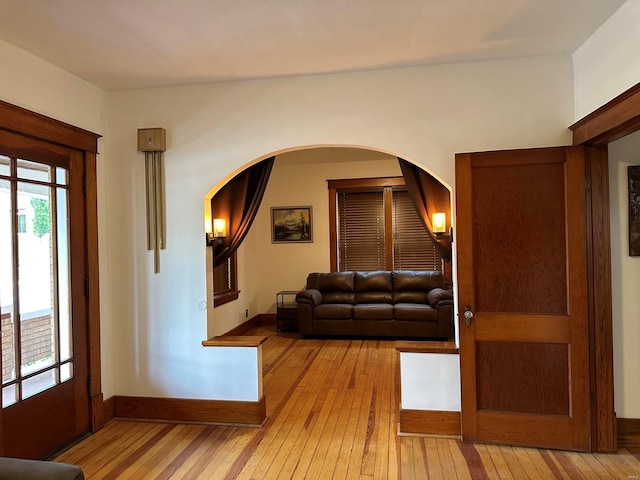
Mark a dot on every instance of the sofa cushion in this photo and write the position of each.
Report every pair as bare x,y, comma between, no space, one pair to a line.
415,312
373,287
334,282
373,311
337,297
336,287
412,287
333,311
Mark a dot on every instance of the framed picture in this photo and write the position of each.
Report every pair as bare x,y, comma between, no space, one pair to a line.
634,210
291,225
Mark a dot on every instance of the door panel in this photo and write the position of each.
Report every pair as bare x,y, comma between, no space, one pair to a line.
44,349
521,248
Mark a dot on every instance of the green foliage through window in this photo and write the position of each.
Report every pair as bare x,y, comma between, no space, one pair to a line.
41,216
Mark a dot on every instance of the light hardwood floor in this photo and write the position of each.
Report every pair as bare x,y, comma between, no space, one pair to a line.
332,413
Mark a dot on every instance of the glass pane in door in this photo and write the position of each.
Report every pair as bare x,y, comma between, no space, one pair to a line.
36,285
65,345
35,278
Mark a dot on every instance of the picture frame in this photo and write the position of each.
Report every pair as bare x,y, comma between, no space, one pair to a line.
292,224
634,210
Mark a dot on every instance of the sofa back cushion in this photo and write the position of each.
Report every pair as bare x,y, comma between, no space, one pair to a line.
373,287
412,286
336,287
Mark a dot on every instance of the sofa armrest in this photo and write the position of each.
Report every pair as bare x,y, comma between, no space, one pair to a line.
310,297
439,297
307,300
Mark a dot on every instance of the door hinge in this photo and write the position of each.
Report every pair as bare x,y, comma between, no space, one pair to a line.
86,286
84,185
587,183
89,385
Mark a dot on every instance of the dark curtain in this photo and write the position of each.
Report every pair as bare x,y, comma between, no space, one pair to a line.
238,202
428,196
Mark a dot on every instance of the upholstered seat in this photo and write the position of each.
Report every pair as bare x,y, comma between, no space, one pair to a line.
20,469
400,303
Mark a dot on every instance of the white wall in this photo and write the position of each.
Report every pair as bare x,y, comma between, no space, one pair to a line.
425,115
625,281
430,381
607,63
605,66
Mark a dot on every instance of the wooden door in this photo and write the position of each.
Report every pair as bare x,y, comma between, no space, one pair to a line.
522,273
45,402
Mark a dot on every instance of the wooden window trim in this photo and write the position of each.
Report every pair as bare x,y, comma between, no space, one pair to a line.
225,297
351,185
386,185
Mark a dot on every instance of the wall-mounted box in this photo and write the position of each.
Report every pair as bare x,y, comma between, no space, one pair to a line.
152,139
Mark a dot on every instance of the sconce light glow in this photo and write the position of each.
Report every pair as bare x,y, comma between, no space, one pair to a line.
219,228
439,222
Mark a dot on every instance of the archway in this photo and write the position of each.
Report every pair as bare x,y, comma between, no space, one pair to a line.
298,179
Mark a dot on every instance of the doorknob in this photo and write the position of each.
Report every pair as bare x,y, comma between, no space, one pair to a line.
468,315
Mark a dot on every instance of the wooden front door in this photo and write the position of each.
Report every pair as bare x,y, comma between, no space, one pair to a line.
45,402
522,279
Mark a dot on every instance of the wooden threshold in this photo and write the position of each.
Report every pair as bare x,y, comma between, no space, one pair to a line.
241,341
427,347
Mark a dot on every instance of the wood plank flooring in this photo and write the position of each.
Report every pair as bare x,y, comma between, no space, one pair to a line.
332,413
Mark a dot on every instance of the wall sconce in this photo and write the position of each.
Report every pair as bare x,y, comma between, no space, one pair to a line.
152,141
219,232
439,223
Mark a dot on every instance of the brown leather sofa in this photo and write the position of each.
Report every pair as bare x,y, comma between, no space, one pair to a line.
20,469
400,303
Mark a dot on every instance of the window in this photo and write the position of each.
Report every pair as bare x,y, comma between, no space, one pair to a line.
375,226
225,283
22,222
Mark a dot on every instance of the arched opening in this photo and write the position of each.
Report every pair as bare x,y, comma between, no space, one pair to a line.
298,179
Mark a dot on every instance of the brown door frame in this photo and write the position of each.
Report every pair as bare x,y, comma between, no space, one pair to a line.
30,124
614,120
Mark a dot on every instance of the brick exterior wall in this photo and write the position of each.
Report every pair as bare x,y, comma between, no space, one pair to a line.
37,342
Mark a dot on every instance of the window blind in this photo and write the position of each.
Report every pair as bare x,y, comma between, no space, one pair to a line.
222,280
413,247
361,242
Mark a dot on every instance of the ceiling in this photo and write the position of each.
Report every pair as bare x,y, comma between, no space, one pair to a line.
127,44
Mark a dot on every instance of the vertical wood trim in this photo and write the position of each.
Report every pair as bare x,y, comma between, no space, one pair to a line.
333,230
600,308
79,304
387,201
2,452
93,300
577,294
466,296
611,121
